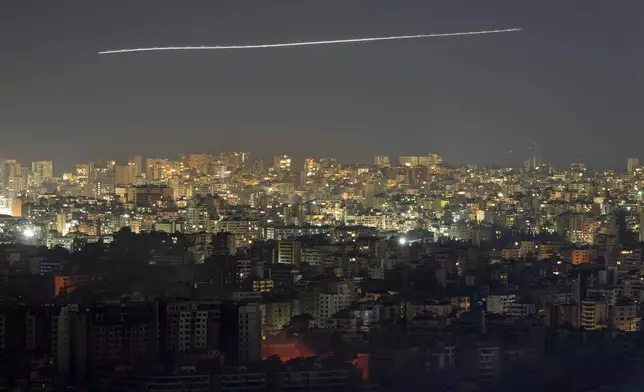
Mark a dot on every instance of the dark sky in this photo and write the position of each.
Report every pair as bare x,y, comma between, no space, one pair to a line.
572,80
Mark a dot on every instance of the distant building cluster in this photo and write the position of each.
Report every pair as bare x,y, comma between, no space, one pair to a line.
216,272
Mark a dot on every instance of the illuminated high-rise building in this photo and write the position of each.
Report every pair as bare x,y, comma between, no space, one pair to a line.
416,175
258,167
179,188
435,159
632,164
430,160
137,162
534,162
15,169
125,174
200,163
83,171
110,165
102,179
371,190
42,170
13,177
329,166
61,223
16,184
5,206
408,161
5,168
155,168
282,163
382,160
289,252
311,167
235,160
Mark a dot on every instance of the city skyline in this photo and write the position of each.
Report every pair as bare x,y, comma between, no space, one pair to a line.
370,195
529,160
472,99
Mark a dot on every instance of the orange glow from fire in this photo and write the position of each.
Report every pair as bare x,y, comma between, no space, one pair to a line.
287,350
362,362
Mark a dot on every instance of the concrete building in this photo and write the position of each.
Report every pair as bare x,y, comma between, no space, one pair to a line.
189,327
408,161
289,252
244,230
623,316
137,162
263,285
500,303
560,314
125,174
242,328
370,192
330,298
197,216
593,314
156,168
583,256
276,314
33,331
224,243
632,164
571,225
522,309
6,206
122,333
313,256
482,363
42,170
382,161
282,163
61,223
144,196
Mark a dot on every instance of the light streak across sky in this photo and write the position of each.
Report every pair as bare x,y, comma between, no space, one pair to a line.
306,43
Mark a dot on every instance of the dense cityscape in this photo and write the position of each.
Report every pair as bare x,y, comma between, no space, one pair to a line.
220,272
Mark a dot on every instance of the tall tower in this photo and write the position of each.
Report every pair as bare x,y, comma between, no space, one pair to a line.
632,164
137,162
42,170
124,174
61,221
535,158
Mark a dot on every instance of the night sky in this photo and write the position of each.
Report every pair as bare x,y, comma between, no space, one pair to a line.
572,80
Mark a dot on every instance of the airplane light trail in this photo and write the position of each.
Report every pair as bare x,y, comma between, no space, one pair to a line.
339,41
